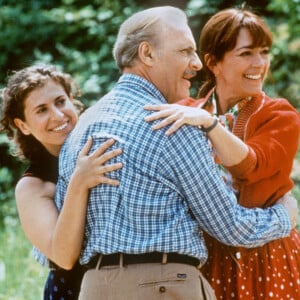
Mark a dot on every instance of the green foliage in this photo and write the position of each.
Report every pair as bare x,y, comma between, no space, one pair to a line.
285,77
10,171
75,35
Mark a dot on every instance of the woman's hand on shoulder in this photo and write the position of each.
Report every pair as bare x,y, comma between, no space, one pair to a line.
177,115
91,168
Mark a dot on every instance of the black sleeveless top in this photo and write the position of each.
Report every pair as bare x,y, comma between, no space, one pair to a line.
45,167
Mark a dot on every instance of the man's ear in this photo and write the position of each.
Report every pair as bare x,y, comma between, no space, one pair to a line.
22,126
146,53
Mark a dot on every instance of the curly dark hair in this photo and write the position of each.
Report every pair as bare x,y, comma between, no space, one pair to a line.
13,96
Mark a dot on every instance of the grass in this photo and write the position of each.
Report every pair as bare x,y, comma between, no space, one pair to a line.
21,277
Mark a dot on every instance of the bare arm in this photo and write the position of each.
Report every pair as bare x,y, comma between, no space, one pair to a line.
60,236
229,148
178,115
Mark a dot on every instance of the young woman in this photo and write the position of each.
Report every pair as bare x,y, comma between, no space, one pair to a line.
38,113
255,144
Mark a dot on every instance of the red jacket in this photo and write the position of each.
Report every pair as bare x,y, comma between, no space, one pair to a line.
270,128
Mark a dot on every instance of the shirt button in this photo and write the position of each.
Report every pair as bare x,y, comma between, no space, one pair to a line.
162,289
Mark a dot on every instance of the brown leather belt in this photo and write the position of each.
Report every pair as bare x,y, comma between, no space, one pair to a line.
153,257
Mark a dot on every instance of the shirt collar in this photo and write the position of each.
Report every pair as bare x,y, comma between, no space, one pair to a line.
133,79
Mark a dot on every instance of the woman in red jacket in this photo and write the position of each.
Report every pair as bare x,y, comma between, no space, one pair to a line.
254,143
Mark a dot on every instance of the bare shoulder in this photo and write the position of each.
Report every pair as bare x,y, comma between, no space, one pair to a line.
29,188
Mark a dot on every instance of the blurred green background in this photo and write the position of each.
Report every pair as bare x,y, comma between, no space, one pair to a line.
78,37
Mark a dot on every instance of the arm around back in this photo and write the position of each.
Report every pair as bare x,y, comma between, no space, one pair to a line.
211,202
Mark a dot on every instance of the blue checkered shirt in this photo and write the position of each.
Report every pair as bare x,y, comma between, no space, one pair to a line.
170,189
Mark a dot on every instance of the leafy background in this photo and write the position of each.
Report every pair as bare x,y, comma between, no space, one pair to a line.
78,37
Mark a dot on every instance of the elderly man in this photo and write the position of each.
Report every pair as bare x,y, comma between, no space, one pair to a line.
143,239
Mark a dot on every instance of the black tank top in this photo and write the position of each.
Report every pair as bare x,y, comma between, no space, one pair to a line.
45,167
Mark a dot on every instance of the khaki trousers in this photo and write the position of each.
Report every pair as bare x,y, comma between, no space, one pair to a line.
150,281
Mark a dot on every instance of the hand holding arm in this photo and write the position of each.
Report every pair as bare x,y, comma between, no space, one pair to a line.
178,115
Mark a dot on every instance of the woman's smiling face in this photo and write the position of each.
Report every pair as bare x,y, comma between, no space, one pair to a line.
242,70
49,116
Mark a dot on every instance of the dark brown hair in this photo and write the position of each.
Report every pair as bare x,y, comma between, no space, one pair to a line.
13,96
219,35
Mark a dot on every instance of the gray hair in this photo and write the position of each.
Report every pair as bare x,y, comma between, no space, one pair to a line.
145,25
